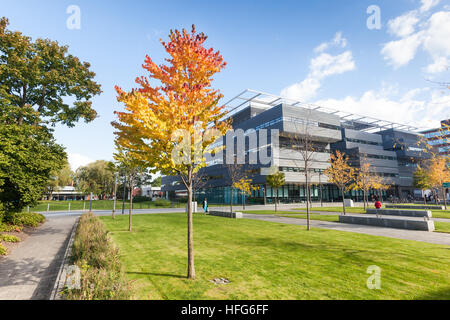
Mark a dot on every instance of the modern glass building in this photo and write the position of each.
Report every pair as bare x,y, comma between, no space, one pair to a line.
440,137
273,131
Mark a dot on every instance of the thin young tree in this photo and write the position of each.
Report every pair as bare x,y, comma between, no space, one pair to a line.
275,181
235,172
171,124
132,168
245,186
421,181
365,180
438,173
305,145
340,173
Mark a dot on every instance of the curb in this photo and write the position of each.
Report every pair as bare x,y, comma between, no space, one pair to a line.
61,278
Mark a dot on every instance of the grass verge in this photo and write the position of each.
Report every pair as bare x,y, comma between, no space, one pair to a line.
265,260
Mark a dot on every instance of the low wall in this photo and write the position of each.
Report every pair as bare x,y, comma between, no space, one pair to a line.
405,213
226,214
389,223
400,206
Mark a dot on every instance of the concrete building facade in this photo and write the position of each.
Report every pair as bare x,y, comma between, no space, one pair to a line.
257,117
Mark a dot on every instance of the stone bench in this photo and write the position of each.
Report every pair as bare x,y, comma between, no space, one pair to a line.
423,225
405,213
399,206
226,214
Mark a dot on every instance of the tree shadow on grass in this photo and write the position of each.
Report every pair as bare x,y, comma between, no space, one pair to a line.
443,294
158,274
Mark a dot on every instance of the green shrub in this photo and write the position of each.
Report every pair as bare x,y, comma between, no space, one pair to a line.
10,228
2,250
102,276
162,203
138,199
28,219
9,238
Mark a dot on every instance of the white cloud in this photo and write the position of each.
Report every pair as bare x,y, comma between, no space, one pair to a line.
304,90
326,65
338,41
440,64
400,52
320,67
432,37
403,26
77,160
421,107
428,4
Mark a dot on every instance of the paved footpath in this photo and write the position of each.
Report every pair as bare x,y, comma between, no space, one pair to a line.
30,271
431,237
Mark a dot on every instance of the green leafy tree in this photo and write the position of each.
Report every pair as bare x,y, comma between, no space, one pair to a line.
133,169
37,76
60,178
156,182
96,177
421,181
28,154
275,180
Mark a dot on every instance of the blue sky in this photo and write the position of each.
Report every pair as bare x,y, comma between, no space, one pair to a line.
317,51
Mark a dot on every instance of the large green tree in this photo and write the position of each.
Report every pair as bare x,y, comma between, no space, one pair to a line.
28,154
40,76
96,177
60,178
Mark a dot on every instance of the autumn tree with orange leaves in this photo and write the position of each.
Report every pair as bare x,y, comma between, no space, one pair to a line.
340,173
173,117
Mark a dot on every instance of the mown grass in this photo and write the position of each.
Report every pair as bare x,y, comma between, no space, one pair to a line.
100,205
442,226
265,260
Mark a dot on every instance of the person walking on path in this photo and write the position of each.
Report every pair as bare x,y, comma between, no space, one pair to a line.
377,204
205,205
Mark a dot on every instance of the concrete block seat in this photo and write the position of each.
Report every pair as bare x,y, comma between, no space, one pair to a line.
390,222
401,206
226,214
405,213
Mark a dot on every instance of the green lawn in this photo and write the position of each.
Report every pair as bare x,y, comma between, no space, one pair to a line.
265,260
96,205
442,226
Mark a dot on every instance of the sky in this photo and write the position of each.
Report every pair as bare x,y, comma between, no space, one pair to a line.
377,58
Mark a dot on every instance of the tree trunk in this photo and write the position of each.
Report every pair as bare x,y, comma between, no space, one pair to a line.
276,200
364,199
231,199
307,201
343,200
191,266
131,206
445,198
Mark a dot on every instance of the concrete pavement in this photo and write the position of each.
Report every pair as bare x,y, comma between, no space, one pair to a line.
29,272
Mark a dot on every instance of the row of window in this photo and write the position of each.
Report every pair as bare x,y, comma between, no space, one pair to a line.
439,133
297,169
378,156
372,143
298,121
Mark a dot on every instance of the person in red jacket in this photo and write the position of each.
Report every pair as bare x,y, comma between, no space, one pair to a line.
377,204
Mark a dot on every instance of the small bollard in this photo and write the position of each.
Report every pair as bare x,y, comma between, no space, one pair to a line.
28,209
48,207
69,206
84,206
